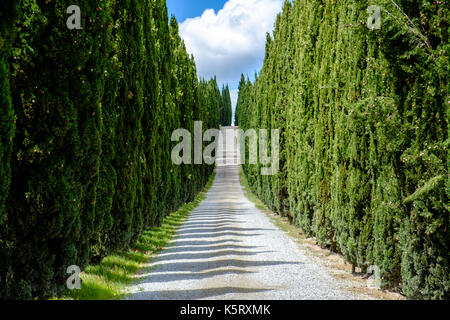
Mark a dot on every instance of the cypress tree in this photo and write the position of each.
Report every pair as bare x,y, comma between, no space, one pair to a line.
56,91
7,128
6,109
95,109
226,107
364,134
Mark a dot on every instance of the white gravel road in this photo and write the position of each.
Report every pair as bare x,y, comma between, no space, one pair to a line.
228,249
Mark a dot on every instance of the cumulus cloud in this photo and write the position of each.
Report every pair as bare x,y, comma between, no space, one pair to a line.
232,41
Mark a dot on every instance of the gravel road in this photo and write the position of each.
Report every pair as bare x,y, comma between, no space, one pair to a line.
228,249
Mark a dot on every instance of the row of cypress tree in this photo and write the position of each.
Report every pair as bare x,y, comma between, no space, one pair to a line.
226,110
363,115
85,137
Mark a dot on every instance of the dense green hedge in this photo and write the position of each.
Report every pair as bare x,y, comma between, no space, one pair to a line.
7,15
364,134
91,154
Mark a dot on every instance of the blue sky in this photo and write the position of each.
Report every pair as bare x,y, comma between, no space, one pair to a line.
183,9
226,37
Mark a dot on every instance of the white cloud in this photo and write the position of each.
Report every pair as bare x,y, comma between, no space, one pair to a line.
232,41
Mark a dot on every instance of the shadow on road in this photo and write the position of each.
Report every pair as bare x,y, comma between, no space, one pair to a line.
206,255
168,277
196,294
164,266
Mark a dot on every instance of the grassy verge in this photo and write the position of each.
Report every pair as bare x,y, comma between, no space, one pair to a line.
107,280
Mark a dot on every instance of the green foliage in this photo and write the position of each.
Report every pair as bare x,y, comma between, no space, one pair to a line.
363,116
6,109
95,108
226,109
7,124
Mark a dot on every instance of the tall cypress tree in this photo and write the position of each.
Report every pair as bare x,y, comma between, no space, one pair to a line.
56,91
7,128
127,204
225,107
6,109
95,109
364,143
